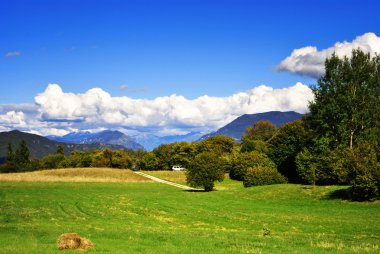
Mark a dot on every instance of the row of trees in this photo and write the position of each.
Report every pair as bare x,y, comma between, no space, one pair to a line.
20,161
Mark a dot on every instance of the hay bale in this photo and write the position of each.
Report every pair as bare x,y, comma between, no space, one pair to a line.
73,241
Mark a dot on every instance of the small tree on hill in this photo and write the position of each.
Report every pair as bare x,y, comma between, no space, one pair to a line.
204,170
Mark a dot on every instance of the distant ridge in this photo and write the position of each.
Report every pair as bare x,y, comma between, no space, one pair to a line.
237,127
150,141
105,137
40,146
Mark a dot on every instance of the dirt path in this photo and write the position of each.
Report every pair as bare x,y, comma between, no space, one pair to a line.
164,181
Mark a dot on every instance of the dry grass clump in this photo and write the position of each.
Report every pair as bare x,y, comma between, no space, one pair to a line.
73,241
75,175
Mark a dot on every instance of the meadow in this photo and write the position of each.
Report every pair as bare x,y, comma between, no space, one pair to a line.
140,216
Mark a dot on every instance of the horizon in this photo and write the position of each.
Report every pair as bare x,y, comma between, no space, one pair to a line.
167,67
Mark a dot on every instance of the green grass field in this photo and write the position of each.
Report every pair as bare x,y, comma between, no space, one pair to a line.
147,217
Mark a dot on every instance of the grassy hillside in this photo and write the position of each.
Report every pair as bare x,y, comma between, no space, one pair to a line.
156,218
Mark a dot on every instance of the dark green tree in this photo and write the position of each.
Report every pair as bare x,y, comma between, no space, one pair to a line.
204,170
22,153
10,153
60,150
284,146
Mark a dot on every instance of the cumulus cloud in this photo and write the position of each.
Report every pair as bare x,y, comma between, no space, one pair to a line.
308,61
13,54
98,108
13,118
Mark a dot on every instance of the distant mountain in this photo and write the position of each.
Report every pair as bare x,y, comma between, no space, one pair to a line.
40,146
105,137
150,141
237,127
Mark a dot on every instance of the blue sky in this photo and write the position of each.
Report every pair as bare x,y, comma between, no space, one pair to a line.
159,48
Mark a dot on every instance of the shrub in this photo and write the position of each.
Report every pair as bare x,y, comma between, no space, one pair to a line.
52,161
204,170
243,161
364,188
262,176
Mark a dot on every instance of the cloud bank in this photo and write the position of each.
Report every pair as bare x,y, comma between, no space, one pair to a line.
168,114
308,61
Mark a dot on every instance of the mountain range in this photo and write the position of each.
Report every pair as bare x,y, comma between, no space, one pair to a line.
150,141
237,127
40,146
84,141
105,137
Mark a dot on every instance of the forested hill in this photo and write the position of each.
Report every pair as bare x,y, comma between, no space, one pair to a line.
236,128
40,146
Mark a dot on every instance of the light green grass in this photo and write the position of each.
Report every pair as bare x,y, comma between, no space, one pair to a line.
156,218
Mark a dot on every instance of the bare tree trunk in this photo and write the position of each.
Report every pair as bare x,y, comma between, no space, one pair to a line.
351,139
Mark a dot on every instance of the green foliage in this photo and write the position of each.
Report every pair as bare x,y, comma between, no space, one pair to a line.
52,161
204,170
324,168
347,99
216,144
149,162
243,161
364,171
284,146
364,188
10,153
261,130
254,145
121,159
22,153
60,150
262,176
163,154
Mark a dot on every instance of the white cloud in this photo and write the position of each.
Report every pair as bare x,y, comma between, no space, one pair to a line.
98,108
13,54
13,118
308,61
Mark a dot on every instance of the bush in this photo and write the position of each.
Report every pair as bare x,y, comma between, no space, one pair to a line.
243,161
52,161
204,170
325,168
262,176
364,188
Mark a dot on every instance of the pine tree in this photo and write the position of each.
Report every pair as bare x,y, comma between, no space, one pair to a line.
22,153
10,153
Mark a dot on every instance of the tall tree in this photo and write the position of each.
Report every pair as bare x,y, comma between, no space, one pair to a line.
22,153
10,153
347,99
